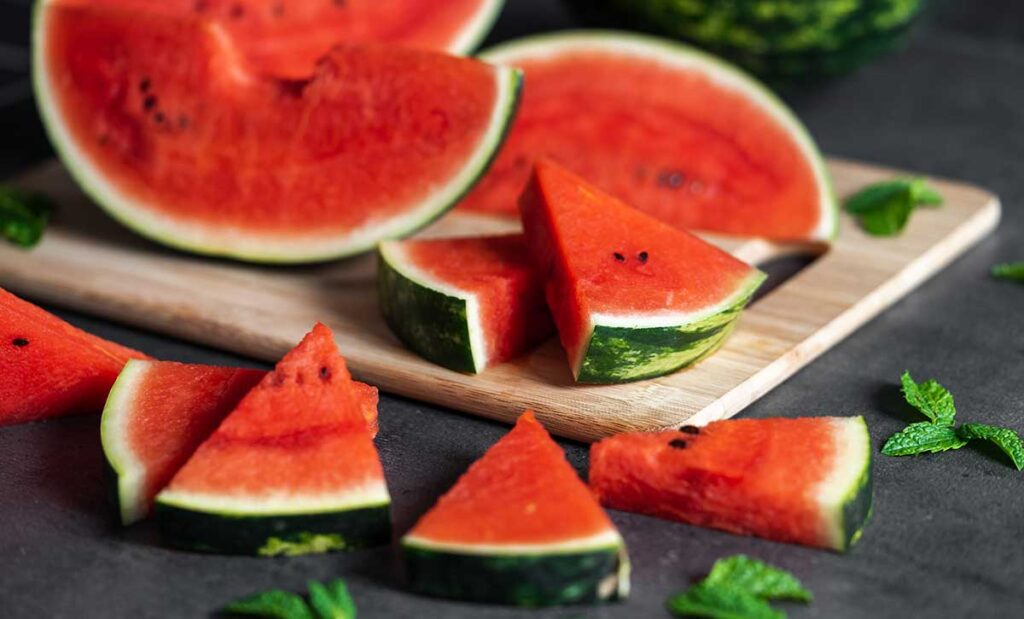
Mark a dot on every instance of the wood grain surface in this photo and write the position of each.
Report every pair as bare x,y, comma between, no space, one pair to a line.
89,263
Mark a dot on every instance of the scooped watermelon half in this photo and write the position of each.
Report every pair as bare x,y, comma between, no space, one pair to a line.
519,528
159,412
805,481
676,133
209,135
463,303
632,296
49,368
291,470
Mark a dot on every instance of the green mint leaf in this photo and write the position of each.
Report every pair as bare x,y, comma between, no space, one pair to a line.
1012,271
923,195
922,437
930,398
23,216
877,196
758,578
277,604
890,220
1007,440
883,209
331,601
720,602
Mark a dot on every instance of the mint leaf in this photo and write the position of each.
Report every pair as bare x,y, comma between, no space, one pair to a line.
922,437
23,216
930,398
758,578
883,209
1012,271
923,195
890,220
331,601
277,604
1007,440
706,599
876,196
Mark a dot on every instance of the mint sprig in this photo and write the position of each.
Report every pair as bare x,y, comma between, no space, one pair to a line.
939,434
883,209
23,216
739,587
330,601
1013,271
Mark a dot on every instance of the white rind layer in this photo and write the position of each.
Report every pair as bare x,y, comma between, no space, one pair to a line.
373,494
600,541
852,455
233,242
476,30
683,57
393,252
130,471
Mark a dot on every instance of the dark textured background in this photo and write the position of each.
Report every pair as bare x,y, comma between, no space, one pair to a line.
947,539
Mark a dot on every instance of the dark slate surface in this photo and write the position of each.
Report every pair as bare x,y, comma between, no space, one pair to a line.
947,539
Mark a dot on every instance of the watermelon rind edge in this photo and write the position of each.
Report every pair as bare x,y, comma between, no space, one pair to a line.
127,470
681,54
475,33
238,245
846,495
437,321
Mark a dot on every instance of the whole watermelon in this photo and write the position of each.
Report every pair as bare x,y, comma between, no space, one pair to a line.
781,40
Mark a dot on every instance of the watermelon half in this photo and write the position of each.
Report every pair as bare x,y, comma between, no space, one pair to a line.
670,130
291,470
632,297
805,481
50,368
179,129
159,412
519,528
463,303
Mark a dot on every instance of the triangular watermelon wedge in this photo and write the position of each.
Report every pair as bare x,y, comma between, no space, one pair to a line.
632,296
159,412
50,368
519,527
292,470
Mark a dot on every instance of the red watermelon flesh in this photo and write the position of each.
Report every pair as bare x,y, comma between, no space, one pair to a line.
169,125
286,37
51,368
296,441
159,412
806,481
521,492
668,129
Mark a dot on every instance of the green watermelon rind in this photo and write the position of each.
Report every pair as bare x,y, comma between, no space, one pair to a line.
436,321
629,350
473,34
127,472
213,240
684,56
544,575
846,496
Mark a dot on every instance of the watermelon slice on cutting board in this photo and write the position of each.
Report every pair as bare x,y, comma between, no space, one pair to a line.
291,470
632,297
159,412
520,528
805,481
673,131
464,303
179,130
50,368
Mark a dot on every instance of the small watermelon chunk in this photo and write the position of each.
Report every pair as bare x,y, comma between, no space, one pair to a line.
804,481
159,412
464,303
291,470
50,368
518,528
632,297
669,129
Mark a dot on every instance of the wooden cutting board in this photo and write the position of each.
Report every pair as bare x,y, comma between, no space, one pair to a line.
89,263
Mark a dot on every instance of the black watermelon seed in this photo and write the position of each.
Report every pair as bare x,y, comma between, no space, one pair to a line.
677,443
149,103
673,179
619,257
20,342
159,118
690,429
325,373
642,257
144,84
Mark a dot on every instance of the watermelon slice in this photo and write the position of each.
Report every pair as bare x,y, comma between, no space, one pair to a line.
519,527
292,470
805,481
159,412
632,296
463,303
180,131
670,130
50,368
